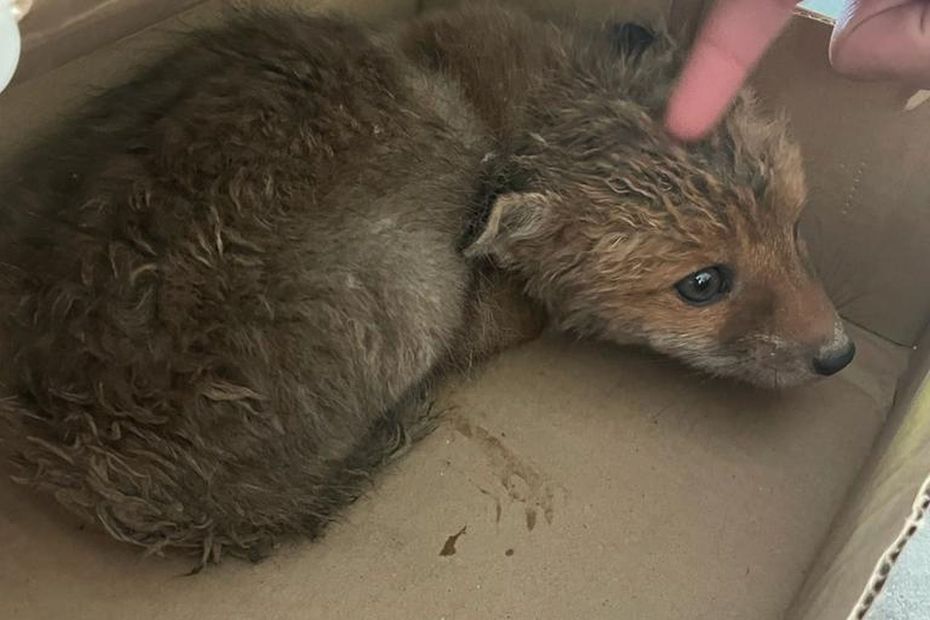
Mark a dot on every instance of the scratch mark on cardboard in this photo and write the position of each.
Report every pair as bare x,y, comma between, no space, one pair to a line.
522,482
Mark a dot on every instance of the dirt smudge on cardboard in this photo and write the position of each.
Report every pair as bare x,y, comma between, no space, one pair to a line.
449,548
530,518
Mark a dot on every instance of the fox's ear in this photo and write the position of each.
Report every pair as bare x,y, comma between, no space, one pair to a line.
630,40
513,217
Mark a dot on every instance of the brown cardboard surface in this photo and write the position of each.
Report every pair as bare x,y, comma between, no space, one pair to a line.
625,486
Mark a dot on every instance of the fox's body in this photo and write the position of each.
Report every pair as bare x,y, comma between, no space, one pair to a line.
226,292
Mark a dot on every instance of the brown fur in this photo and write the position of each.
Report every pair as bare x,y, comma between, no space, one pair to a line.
229,286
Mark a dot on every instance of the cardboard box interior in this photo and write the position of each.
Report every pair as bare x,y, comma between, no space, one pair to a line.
586,480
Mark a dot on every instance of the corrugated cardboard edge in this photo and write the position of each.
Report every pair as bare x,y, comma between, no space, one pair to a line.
888,559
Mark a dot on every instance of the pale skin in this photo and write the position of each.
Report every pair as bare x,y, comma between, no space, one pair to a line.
872,39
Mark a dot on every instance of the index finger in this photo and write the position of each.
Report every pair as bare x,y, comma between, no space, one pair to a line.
730,43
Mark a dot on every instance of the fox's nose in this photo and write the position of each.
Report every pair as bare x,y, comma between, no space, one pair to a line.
832,361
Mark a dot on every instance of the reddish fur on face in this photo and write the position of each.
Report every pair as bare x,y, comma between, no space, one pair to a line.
616,214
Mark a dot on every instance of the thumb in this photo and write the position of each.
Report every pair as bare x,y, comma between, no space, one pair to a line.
883,39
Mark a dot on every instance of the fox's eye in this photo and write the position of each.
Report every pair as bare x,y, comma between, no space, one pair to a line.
705,286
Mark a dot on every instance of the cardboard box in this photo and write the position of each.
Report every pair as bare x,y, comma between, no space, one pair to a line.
573,480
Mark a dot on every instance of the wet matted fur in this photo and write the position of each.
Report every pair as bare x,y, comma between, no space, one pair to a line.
228,286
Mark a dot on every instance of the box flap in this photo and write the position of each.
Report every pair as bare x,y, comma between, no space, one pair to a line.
869,532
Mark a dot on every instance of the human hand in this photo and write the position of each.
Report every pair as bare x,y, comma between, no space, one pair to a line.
873,39
883,39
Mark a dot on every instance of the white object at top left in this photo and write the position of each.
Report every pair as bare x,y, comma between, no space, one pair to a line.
11,11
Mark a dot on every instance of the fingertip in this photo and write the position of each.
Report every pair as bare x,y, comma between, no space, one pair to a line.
680,122
701,97
730,43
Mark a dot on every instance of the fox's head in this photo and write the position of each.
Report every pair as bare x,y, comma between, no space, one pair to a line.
625,234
